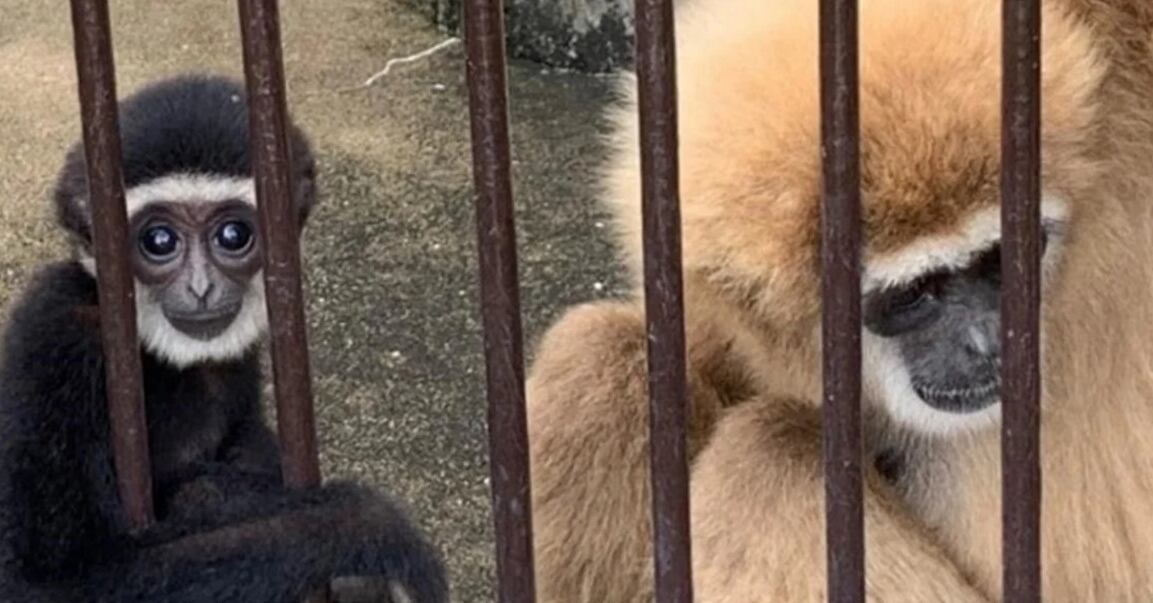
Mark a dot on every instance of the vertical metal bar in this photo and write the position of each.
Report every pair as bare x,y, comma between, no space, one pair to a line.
280,236
841,307
664,299
280,230
1021,300
500,300
101,124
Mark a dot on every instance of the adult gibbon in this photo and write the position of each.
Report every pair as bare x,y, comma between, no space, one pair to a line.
750,180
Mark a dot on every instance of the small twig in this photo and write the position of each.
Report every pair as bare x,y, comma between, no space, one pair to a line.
401,60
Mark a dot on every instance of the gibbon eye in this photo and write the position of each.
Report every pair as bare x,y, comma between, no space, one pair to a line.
898,311
234,236
908,299
988,265
159,243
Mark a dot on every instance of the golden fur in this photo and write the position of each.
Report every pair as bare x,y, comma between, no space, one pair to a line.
750,181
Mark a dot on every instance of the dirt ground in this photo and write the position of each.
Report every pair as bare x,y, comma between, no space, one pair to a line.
390,257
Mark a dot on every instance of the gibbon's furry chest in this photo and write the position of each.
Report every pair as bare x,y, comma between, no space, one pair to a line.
1097,540
921,471
191,411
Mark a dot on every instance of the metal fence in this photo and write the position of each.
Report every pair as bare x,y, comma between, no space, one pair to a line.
655,67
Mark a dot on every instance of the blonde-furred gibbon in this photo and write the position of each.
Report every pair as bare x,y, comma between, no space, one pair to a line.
930,72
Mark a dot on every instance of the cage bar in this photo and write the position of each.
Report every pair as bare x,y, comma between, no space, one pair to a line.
841,301
664,299
100,121
500,300
280,236
1021,300
280,232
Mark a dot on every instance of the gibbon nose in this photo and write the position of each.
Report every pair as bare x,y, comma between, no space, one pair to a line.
201,291
984,340
201,282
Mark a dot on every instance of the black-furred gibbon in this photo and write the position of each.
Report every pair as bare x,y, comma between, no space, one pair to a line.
227,527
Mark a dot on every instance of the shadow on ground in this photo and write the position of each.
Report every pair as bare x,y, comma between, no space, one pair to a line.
390,257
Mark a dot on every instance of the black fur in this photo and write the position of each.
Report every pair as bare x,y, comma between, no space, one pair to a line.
227,528
890,464
192,123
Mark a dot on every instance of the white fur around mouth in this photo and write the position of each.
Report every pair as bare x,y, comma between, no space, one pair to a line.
206,327
160,337
888,383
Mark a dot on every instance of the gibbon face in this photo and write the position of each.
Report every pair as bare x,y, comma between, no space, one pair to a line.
945,328
198,268
748,85
191,201
932,337
197,262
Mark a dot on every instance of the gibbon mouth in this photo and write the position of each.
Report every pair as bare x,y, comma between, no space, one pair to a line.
960,399
204,325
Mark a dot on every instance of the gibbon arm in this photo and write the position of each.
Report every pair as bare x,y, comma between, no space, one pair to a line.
248,466
298,544
235,535
251,446
758,519
588,437
757,493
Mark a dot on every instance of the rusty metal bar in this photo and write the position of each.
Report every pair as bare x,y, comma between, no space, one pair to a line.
841,307
664,299
101,124
280,237
1021,300
280,230
500,300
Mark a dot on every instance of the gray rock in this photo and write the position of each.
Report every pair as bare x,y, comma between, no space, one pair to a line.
585,35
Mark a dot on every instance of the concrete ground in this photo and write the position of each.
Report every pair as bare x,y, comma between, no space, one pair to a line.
391,268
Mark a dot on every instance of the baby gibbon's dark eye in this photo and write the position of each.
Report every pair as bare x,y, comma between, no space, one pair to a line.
234,237
159,243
